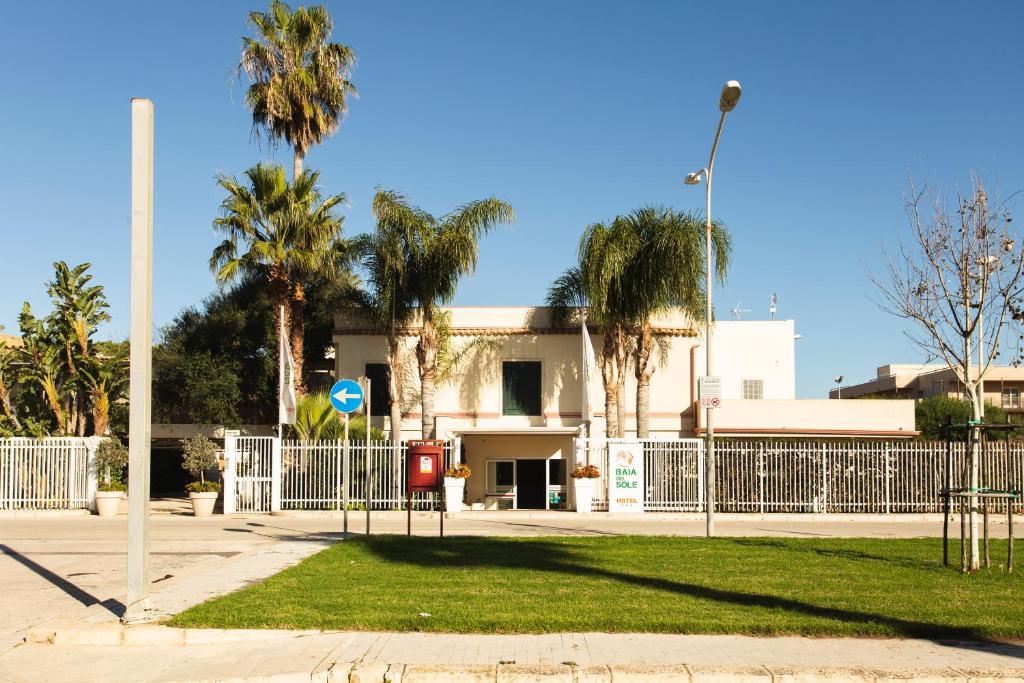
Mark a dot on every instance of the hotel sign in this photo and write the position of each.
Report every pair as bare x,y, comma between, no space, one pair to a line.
626,477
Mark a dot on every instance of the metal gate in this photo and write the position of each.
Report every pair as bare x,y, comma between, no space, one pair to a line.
249,473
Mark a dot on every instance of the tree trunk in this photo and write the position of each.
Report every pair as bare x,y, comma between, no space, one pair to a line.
394,361
426,354
297,335
279,294
297,164
643,370
621,359
974,475
608,379
100,413
82,413
9,411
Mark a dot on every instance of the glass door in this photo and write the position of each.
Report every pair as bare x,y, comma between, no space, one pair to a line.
501,485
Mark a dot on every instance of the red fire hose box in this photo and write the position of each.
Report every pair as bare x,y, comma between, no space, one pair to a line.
424,466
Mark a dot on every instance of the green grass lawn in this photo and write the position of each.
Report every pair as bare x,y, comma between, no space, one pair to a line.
857,587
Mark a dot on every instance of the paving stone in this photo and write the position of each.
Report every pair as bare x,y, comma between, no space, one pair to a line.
448,674
525,673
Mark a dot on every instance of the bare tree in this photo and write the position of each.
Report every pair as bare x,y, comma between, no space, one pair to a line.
958,281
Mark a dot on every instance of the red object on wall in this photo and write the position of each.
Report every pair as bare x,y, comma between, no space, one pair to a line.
425,466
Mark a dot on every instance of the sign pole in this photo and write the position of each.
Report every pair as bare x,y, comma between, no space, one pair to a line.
140,371
366,400
344,481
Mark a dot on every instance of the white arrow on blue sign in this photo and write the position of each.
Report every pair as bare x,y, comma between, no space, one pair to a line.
347,396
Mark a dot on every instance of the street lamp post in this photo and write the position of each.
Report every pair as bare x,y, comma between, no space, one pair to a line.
727,102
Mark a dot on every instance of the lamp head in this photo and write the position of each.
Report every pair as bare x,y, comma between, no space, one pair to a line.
838,379
694,178
730,96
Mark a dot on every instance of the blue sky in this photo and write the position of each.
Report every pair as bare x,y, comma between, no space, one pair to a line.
573,111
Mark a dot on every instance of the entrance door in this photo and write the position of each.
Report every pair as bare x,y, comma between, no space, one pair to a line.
531,484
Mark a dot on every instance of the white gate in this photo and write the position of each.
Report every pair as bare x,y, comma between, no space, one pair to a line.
249,473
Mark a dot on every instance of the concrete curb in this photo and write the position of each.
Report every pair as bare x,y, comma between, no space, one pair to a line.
329,671
513,515
44,514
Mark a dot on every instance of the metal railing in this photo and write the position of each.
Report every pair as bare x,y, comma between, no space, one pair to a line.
47,474
807,476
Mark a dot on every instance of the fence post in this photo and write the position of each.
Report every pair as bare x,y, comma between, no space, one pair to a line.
230,458
700,477
275,475
824,478
888,478
91,446
760,478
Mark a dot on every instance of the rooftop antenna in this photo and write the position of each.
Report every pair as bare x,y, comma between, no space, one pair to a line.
774,305
737,312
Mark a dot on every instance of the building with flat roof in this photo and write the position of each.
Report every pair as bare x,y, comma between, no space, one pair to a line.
516,398
1003,384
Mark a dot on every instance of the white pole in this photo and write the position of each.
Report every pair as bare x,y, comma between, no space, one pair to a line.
366,401
141,361
344,481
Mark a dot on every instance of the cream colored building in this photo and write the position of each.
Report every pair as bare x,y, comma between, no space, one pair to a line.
516,398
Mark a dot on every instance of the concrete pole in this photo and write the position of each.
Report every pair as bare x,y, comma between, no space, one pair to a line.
141,362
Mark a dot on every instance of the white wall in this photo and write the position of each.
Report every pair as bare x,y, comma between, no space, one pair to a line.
753,349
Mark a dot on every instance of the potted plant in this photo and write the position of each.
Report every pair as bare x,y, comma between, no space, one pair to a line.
455,485
583,477
111,459
200,454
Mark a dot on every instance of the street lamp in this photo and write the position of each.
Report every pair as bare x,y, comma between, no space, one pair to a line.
839,386
726,103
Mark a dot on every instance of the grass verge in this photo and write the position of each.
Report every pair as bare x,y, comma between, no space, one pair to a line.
763,586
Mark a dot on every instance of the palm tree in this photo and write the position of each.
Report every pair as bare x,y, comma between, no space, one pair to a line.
106,381
436,253
43,365
299,79
8,377
283,232
662,266
587,286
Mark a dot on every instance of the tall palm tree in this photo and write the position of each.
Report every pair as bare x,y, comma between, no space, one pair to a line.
436,252
282,231
106,381
299,79
662,266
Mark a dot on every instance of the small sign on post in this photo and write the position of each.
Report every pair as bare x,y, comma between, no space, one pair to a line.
347,397
709,391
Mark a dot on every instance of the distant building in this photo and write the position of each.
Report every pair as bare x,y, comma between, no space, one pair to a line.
1003,384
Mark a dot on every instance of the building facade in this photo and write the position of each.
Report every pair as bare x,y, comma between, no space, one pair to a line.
511,388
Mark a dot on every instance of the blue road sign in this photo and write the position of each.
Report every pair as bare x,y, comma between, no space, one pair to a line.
347,396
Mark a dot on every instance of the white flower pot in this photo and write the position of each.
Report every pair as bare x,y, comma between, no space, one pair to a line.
202,503
108,502
454,487
583,490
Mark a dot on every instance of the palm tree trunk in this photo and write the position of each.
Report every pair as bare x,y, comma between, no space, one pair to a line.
426,354
297,335
394,361
621,359
279,294
608,379
643,370
100,413
9,411
297,164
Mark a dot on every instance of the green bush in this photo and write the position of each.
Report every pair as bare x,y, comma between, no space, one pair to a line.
110,463
203,487
932,413
200,454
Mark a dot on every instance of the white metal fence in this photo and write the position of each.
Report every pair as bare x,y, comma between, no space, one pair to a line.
264,474
775,476
47,474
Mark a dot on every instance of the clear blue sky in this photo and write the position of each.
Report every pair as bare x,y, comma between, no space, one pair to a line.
573,111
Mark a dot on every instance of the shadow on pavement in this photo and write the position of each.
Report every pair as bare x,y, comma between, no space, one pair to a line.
87,599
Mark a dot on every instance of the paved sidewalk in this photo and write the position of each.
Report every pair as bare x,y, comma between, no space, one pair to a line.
571,656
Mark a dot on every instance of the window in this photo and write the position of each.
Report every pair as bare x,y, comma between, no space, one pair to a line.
753,389
520,384
378,376
501,476
1011,397
556,472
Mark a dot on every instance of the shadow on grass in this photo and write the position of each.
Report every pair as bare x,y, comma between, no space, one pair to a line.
844,553
555,557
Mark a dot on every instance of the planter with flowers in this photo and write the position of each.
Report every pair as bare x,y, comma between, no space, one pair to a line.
455,486
110,461
583,477
200,455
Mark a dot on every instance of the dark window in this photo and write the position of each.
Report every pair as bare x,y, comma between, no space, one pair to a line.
378,376
505,473
556,472
520,387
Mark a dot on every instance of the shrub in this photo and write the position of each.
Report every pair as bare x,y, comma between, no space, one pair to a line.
203,487
200,455
586,472
111,460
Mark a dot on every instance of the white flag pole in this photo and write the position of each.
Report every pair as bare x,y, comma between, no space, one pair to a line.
280,372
